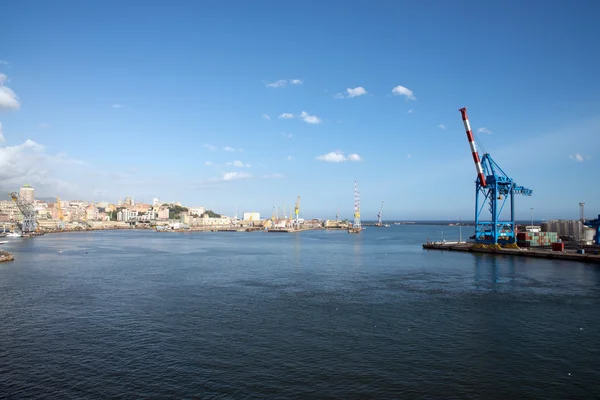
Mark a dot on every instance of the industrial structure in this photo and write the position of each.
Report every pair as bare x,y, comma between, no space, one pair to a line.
379,222
594,225
297,214
356,227
28,225
495,189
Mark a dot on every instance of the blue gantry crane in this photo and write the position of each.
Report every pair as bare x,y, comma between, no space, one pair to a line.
495,189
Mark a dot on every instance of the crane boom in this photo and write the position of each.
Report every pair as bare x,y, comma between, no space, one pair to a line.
474,152
29,223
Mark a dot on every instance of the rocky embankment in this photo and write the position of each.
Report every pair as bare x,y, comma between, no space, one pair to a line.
6,256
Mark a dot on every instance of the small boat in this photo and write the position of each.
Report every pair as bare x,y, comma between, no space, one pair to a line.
13,234
4,242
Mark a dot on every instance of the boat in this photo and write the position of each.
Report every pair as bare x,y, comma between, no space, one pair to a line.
13,234
356,226
4,242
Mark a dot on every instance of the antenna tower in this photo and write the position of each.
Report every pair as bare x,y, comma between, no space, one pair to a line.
356,208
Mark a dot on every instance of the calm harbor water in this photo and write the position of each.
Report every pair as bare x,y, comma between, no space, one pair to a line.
141,314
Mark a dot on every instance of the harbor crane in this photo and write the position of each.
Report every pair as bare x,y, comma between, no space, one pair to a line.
29,223
297,214
379,222
495,188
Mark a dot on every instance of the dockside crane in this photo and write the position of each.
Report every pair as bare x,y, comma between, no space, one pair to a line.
29,223
296,214
495,188
379,221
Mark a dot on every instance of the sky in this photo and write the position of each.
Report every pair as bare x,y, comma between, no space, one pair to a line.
237,105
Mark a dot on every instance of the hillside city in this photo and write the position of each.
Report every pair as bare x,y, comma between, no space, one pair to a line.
126,213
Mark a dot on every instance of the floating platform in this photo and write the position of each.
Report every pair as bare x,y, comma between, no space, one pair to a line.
522,252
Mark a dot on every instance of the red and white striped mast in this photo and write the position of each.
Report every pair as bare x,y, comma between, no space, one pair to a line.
463,112
356,224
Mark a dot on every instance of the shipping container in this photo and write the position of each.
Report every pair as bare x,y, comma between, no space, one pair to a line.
558,246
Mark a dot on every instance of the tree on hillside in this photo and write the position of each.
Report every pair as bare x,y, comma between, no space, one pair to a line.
175,211
211,214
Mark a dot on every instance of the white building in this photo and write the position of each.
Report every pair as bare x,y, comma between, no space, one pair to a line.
209,221
155,202
251,216
126,215
27,193
197,211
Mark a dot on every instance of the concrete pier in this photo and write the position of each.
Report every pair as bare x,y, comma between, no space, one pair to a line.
568,255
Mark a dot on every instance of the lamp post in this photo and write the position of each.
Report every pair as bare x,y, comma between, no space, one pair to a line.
531,217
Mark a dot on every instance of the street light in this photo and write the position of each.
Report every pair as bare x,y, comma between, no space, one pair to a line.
532,217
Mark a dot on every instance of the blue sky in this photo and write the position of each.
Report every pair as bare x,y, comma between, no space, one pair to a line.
99,101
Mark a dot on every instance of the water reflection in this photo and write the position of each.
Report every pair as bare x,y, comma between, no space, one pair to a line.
486,271
357,250
297,250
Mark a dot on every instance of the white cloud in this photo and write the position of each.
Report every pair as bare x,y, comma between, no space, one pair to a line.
442,126
2,62
283,82
117,106
403,91
265,116
241,150
210,147
44,125
209,163
289,158
286,115
579,158
280,83
357,91
30,163
8,98
311,119
1,134
338,157
286,135
273,176
239,164
236,176
227,148
484,130
334,156
411,111
409,156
